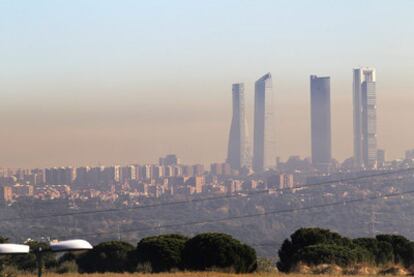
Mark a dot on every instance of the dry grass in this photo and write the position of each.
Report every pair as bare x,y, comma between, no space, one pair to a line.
188,274
178,274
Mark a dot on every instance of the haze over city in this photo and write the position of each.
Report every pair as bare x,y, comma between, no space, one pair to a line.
124,82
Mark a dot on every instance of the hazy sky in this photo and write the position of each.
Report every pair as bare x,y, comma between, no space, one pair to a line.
94,81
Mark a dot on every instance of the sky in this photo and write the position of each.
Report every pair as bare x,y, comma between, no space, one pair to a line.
117,82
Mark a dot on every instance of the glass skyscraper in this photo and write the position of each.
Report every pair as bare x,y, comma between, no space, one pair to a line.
264,154
365,117
238,155
320,90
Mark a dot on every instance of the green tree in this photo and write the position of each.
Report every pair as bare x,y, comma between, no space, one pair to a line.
28,262
111,256
403,249
162,252
331,254
382,251
316,245
220,251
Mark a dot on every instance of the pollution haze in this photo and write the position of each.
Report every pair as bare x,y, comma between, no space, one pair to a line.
117,82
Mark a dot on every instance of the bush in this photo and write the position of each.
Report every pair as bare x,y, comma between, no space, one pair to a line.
330,254
28,262
317,246
265,265
219,251
67,267
111,256
381,251
403,249
163,252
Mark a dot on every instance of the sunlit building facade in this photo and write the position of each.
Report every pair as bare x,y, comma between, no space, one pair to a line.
264,154
365,117
320,90
238,155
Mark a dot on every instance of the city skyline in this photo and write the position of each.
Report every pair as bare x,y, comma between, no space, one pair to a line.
102,82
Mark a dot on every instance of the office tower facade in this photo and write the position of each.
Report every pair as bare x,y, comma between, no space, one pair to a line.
320,90
170,159
238,154
365,117
264,154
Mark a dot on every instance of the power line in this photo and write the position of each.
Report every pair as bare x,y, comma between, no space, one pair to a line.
222,197
273,212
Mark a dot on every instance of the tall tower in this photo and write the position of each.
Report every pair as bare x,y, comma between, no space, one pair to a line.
320,89
238,155
365,117
264,154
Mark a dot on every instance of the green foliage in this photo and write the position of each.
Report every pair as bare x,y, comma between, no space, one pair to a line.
67,267
163,252
28,262
111,256
302,238
219,251
403,249
381,251
317,246
331,254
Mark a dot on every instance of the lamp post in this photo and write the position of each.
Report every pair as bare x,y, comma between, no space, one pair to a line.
61,246
13,249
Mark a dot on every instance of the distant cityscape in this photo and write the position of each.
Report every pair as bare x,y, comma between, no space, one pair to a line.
247,167
366,155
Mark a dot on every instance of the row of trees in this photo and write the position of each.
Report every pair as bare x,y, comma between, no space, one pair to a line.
170,252
314,246
217,251
162,253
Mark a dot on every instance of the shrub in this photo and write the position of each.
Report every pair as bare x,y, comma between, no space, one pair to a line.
67,267
111,256
317,246
28,262
403,249
163,252
220,251
381,251
329,254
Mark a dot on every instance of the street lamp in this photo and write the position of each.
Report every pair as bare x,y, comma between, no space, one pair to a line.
61,246
12,249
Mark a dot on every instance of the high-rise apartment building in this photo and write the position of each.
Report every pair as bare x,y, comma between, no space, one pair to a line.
238,155
365,117
320,90
264,154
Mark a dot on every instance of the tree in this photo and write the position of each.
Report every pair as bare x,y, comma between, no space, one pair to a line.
111,256
331,254
220,251
403,249
28,262
162,252
381,251
316,246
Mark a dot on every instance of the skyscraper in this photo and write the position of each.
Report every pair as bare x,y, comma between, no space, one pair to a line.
264,154
238,154
320,122
365,117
